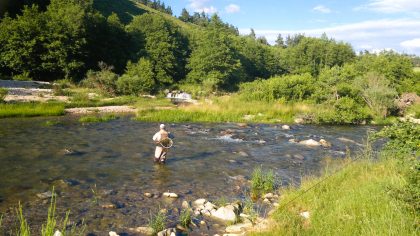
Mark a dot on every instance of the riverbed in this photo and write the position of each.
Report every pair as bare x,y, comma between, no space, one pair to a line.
95,165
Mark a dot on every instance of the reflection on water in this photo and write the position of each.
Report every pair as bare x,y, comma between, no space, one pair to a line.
116,157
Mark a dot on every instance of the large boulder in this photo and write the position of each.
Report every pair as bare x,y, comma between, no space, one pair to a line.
310,142
226,213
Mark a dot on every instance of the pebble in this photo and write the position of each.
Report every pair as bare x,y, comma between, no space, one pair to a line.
202,222
185,205
58,233
170,195
266,200
149,195
269,195
108,206
112,233
285,127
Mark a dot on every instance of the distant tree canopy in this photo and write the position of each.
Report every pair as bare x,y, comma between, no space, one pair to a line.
146,51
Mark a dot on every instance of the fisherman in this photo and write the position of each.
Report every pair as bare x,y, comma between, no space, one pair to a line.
162,140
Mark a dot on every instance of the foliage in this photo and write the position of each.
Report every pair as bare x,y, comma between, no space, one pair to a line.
24,229
96,119
3,94
345,110
138,79
157,222
262,182
31,109
289,87
49,227
377,93
185,218
104,80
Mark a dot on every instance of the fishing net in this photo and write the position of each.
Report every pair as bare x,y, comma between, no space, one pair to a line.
166,143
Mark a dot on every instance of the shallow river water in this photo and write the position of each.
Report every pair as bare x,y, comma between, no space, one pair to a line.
92,165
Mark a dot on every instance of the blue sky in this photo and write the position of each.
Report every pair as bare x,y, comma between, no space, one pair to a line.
372,25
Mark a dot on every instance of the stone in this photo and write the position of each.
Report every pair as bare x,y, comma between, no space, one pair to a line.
44,195
285,127
108,206
292,140
163,211
269,195
170,195
261,141
305,214
202,222
276,204
325,143
310,142
58,233
299,156
242,125
112,233
143,230
199,202
299,120
185,205
242,153
266,200
209,206
149,195
167,232
238,228
225,213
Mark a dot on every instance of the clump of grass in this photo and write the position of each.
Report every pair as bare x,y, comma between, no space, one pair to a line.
249,209
3,93
31,109
221,201
185,218
49,227
96,119
262,182
24,229
157,222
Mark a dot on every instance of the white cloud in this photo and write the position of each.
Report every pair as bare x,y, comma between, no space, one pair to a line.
411,45
391,6
232,8
376,34
322,9
202,6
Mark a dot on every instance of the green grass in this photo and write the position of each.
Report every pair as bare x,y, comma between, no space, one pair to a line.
24,229
97,119
262,182
185,218
157,222
356,201
31,109
226,109
414,110
416,69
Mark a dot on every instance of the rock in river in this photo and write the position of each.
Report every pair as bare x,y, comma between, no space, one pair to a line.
285,127
225,213
310,142
45,195
170,195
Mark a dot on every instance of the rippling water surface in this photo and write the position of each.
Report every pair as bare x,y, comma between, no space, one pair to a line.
111,163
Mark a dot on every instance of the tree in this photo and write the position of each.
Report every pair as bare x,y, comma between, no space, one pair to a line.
185,16
138,78
252,34
280,42
213,63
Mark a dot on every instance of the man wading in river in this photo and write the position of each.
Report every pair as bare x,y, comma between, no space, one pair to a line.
164,142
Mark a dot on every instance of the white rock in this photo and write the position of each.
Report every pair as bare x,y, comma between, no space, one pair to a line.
266,200
149,195
202,222
238,228
269,195
305,214
325,143
225,213
292,140
276,204
112,233
199,202
209,206
310,142
285,127
185,205
171,195
58,233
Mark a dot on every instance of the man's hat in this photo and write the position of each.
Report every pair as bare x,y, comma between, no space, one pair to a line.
162,126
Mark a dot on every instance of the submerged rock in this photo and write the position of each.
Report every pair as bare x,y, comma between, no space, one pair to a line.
170,195
44,195
143,230
310,142
285,127
325,143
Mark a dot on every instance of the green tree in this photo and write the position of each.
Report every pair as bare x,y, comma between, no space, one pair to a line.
138,78
213,62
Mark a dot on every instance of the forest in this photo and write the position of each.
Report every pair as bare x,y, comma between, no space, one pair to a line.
138,47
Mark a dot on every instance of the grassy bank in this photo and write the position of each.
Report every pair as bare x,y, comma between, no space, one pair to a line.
373,195
357,201
227,109
31,109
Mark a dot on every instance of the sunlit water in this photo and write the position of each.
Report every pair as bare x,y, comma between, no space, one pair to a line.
111,163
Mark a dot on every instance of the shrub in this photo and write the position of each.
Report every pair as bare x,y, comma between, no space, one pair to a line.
3,94
138,78
157,222
60,86
22,77
104,80
344,111
290,87
262,182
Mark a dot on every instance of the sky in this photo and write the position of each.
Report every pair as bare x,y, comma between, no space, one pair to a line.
372,25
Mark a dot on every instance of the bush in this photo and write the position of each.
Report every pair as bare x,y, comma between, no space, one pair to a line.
344,111
138,78
3,94
290,87
157,222
22,77
104,80
60,86
262,182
